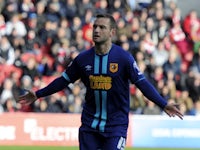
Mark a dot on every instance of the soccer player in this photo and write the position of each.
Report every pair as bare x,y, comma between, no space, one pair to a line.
106,70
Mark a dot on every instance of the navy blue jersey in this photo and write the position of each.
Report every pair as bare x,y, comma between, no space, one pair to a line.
107,78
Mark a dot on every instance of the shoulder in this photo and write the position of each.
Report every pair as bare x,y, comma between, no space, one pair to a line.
85,54
120,52
118,48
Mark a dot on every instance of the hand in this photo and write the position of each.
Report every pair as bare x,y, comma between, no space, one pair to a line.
172,110
27,98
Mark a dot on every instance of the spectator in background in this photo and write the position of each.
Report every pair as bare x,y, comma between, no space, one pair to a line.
117,5
10,105
165,92
25,8
10,9
184,47
176,17
167,42
169,11
123,29
32,43
195,66
2,26
47,34
87,28
16,25
41,106
191,21
193,85
142,21
30,68
170,81
47,66
149,45
26,83
76,106
13,72
159,13
83,6
134,42
63,53
174,61
137,102
69,9
135,25
76,92
2,5
79,42
31,22
194,32
64,29
160,55
162,29
151,109
76,24
128,16
151,29
101,6
156,73
7,54
116,15
53,8
54,104
7,91
41,14
187,101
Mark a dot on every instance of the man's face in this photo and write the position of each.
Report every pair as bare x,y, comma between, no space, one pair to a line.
101,30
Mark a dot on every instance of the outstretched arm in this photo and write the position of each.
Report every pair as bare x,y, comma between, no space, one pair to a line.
57,85
152,94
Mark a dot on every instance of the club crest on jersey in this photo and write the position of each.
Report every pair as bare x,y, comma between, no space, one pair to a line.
113,67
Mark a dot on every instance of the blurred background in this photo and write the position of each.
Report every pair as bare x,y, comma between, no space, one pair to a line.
38,39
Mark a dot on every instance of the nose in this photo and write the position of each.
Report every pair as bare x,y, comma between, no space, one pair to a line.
96,29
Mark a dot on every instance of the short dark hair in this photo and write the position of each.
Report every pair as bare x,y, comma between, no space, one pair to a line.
113,23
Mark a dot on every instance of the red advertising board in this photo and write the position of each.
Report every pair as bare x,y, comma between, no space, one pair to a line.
41,129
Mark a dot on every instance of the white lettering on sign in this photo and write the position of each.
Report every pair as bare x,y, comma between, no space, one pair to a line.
161,132
7,132
186,133
39,133
176,133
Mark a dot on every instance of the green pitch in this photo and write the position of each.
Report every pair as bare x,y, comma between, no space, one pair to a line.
76,148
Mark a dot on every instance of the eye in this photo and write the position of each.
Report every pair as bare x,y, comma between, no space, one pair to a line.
102,27
94,26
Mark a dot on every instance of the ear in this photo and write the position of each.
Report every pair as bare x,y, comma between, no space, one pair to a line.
112,32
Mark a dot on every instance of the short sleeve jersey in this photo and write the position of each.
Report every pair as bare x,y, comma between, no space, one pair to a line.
107,78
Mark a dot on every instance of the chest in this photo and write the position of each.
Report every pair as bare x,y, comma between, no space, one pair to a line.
102,65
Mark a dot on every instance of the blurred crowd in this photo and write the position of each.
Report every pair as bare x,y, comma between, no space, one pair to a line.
39,38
